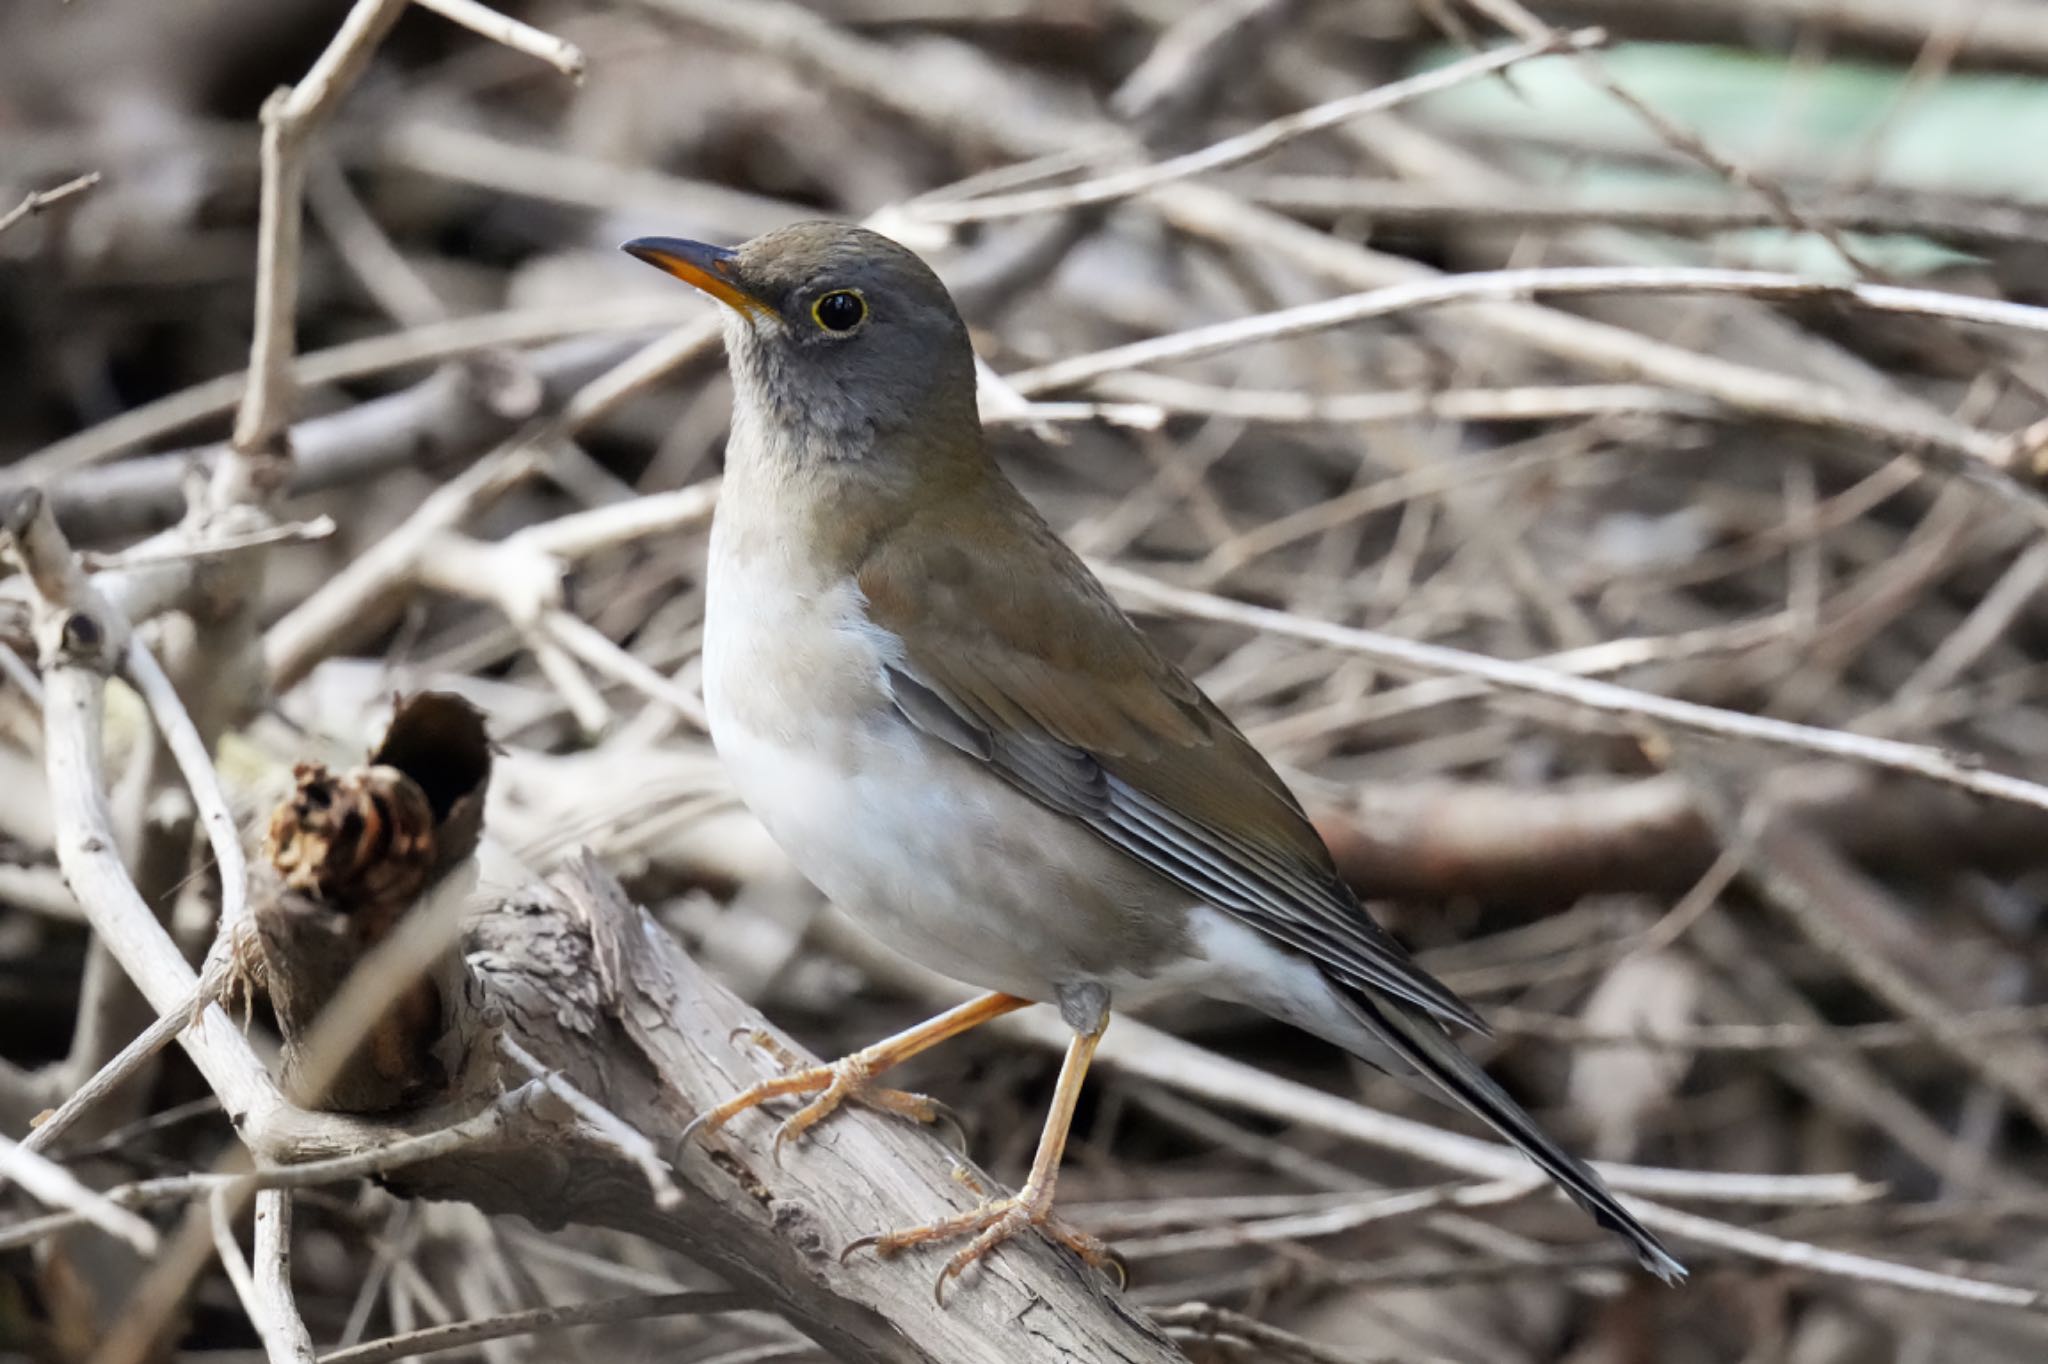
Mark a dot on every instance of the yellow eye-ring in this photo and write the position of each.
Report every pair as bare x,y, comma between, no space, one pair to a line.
840,311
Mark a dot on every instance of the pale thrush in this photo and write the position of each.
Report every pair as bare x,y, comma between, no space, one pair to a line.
942,718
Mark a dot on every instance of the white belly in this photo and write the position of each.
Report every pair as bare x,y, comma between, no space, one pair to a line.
932,857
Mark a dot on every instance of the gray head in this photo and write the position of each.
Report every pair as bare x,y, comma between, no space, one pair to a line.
840,338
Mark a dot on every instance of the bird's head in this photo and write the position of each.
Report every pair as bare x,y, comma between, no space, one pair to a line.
844,344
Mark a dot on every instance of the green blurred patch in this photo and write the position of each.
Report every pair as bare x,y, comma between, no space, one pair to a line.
1813,125
1962,134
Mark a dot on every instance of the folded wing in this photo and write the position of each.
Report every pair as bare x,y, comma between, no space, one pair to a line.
1042,678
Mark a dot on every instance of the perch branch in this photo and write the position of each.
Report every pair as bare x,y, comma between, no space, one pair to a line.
631,1039
591,987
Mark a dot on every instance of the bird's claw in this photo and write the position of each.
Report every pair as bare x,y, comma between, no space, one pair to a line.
942,1115
858,1243
693,1127
760,1039
990,1225
850,1077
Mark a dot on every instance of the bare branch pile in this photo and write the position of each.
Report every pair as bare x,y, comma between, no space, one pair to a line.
1605,467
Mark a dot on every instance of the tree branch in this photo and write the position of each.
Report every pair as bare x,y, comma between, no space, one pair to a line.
633,1039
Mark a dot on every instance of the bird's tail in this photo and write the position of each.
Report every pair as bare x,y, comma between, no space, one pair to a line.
1425,1047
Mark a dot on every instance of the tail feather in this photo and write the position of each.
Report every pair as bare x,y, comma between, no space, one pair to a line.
1424,1045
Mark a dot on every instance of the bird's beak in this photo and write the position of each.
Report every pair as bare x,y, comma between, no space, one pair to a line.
714,269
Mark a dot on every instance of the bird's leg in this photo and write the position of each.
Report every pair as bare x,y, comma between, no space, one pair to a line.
851,1077
997,1220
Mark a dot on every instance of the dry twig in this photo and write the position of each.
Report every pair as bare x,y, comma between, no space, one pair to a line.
41,200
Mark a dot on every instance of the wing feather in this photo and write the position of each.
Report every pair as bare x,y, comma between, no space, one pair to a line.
1039,676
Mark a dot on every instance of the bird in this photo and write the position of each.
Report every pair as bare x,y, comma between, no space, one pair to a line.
941,716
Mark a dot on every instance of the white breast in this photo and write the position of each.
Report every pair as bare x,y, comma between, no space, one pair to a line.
919,844
890,825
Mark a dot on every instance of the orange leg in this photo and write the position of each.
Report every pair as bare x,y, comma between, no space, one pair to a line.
998,1220
850,1077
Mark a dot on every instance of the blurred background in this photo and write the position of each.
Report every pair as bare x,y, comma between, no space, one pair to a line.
1708,955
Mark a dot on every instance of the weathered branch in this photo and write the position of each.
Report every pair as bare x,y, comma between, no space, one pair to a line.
588,986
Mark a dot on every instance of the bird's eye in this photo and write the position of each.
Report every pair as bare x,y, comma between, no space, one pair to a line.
840,311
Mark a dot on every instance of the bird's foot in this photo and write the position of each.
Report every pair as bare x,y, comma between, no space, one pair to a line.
850,1077
991,1224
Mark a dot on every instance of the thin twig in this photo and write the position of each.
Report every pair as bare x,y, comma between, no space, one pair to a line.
82,638
117,1071
1497,285
52,1184
195,764
1793,1254
1516,19
1233,151
165,551
565,57
589,644
1588,693
42,199
1332,1219
632,1144
456,1335
270,1254
2018,1020
1533,403
290,118
1662,210
17,671
1200,1321
220,1220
